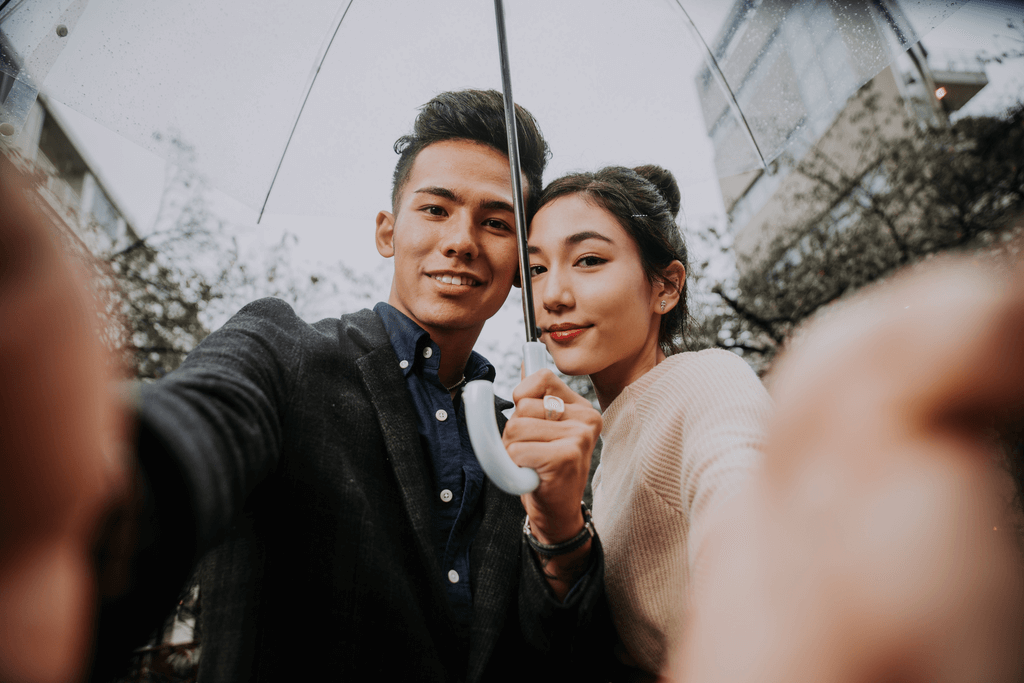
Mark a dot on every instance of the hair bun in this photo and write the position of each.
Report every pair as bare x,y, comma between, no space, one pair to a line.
665,182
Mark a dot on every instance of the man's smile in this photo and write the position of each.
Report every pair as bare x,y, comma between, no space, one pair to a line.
458,279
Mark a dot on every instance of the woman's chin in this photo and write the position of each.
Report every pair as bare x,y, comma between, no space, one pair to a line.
574,367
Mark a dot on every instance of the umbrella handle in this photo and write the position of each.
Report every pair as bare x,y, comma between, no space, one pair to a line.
485,437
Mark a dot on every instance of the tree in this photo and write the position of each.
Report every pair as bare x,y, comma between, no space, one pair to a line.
189,274
925,190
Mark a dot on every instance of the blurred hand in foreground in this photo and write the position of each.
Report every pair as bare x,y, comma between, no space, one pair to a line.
878,543
59,431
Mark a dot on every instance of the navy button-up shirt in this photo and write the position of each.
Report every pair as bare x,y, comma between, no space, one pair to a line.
441,421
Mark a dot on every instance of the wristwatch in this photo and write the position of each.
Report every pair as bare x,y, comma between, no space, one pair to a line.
552,549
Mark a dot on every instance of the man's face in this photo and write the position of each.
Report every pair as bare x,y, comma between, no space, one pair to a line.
453,238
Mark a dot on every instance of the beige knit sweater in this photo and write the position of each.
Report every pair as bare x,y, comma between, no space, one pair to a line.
677,442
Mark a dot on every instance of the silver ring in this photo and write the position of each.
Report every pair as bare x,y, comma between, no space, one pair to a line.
553,407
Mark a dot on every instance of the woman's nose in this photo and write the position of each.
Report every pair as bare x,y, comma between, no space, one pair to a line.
556,292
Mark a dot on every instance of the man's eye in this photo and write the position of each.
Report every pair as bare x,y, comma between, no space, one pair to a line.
537,270
496,224
434,210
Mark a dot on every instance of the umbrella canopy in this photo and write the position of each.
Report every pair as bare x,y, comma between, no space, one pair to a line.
289,100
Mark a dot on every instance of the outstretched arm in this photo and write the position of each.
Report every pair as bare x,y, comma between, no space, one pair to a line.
876,544
61,428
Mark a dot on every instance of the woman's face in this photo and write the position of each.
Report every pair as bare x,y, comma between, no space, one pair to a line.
594,304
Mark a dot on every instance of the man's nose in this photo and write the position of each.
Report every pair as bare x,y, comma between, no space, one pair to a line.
461,237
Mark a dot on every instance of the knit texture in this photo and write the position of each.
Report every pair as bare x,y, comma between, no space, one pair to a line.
677,443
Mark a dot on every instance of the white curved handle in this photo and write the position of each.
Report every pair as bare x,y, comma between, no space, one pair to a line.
483,430
483,433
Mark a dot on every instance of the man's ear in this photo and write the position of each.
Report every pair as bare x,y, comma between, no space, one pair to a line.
517,281
385,234
670,286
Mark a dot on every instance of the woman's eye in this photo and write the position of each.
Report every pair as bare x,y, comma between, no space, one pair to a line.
590,261
536,270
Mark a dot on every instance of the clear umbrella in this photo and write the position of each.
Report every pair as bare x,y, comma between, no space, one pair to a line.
295,101
265,92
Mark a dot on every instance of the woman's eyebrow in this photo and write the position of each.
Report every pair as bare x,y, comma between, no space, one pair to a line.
578,237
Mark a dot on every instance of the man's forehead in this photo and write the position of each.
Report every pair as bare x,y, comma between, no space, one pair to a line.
442,163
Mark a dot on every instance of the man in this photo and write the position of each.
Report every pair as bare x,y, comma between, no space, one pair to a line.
362,539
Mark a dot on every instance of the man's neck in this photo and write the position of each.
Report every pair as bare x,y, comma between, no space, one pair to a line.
455,349
455,344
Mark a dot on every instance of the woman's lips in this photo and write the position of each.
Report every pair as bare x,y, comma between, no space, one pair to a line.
566,335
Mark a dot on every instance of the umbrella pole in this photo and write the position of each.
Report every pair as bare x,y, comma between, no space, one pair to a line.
478,396
716,72
517,176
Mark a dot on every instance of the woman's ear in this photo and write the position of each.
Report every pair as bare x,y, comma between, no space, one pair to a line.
669,287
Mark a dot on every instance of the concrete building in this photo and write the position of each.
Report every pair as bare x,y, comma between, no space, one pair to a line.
71,189
39,143
792,64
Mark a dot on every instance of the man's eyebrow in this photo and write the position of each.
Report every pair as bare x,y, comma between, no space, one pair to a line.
496,205
443,192
451,195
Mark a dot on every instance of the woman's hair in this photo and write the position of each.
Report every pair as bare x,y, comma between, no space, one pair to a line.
645,201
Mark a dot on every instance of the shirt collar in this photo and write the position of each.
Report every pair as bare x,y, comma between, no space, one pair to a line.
409,339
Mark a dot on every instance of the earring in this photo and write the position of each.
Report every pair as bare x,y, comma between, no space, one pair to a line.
662,306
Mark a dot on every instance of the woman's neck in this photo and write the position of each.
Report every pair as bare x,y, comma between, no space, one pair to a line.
613,380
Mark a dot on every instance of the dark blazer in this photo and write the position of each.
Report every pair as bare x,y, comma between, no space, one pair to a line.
298,450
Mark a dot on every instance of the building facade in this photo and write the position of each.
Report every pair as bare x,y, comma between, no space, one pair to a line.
790,66
70,188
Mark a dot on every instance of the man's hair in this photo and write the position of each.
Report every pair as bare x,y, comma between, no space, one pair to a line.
477,116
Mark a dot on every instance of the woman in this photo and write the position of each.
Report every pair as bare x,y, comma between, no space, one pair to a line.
682,431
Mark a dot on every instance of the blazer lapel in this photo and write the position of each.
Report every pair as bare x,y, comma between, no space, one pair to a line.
494,556
388,393
385,385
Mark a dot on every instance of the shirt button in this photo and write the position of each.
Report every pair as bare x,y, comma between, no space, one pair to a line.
427,352
453,576
403,364
441,415
446,496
